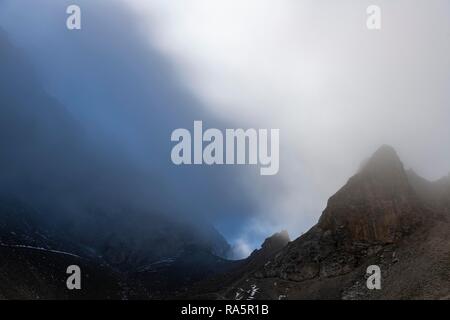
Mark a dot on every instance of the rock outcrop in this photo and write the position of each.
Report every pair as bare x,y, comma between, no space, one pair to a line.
378,204
385,216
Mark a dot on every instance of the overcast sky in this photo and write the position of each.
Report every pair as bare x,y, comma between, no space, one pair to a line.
312,69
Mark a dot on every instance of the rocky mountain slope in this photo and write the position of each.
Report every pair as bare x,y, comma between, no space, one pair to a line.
226,285
34,258
383,216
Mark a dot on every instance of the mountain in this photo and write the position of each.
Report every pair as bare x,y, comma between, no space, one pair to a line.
225,284
66,200
378,204
383,216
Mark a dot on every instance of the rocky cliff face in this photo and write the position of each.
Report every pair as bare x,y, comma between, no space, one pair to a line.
376,207
378,204
384,215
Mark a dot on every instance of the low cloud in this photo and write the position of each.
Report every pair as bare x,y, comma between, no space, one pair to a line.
335,89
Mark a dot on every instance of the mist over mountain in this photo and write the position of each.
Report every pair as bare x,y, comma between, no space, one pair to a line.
86,178
66,197
123,102
62,188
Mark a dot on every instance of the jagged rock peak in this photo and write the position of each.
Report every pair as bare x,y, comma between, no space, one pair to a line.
385,159
377,204
271,245
277,240
386,150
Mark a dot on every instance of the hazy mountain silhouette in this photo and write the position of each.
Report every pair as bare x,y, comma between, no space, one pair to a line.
65,200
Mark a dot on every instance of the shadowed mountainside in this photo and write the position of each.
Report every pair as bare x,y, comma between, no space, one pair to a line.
65,200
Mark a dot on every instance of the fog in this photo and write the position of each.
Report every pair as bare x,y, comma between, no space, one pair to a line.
139,69
100,108
336,90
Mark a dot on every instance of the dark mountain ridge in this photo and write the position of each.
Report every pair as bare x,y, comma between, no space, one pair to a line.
65,199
